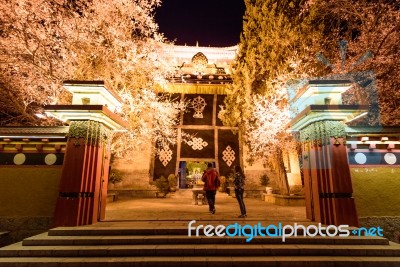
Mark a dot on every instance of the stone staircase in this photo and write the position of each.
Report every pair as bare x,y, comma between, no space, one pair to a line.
169,245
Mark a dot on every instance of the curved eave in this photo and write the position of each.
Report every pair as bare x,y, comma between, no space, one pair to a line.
99,113
314,113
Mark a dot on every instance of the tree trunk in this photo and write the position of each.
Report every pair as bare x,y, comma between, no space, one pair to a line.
281,173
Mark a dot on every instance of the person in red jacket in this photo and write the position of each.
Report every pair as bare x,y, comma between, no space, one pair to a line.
211,184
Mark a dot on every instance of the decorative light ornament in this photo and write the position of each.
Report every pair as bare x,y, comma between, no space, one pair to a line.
390,158
50,159
360,158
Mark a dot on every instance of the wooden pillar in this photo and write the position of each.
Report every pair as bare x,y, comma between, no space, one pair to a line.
80,193
306,154
327,179
319,115
344,207
104,182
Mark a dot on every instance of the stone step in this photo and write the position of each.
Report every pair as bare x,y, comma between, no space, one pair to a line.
227,261
177,250
46,240
115,231
168,244
150,230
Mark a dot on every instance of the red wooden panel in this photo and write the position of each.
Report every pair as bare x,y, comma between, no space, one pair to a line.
345,212
340,169
66,212
95,184
73,165
104,185
328,185
78,203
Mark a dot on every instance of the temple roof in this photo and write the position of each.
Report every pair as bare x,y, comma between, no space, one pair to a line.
215,55
201,65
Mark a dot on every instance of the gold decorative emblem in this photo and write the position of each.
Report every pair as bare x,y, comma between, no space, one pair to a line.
228,155
198,104
200,62
197,143
165,155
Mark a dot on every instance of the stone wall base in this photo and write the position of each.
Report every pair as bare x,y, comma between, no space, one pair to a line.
20,228
389,224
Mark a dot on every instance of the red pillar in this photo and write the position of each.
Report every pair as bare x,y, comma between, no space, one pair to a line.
104,183
328,183
79,197
306,154
344,207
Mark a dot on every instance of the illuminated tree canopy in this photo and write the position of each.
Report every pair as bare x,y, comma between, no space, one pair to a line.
279,43
45,42
367,26
275,46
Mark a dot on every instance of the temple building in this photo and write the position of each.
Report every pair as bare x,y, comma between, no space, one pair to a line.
347,171
202,77
201,80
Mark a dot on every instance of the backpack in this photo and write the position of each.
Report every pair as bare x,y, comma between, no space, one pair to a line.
210,178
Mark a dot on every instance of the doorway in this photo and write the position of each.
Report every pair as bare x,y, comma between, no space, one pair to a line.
190,173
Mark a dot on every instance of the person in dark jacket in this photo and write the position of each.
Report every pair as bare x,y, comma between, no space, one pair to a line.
239,182
211,184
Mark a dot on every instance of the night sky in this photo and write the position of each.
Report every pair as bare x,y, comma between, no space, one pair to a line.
215,23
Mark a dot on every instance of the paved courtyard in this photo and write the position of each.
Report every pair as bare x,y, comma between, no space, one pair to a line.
179,207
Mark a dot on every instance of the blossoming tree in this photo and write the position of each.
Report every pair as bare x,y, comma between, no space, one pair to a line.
274,48
45,42
372,29
280,41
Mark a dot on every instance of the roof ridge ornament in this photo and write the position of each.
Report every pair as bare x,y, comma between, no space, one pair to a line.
200,62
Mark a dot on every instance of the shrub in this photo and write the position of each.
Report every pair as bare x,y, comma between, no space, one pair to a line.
264,180
172,182
115,177
162,184
297,190
224,184
230,179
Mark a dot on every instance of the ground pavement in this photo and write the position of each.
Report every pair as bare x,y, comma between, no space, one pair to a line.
179,207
